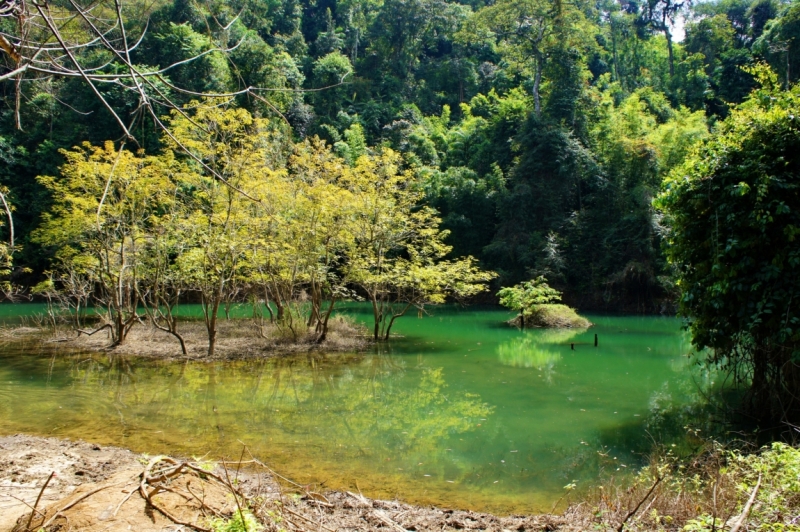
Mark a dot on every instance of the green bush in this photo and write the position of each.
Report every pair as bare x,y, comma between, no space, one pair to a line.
534,300
777,502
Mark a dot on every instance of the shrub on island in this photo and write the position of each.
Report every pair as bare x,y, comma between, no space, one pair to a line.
535,302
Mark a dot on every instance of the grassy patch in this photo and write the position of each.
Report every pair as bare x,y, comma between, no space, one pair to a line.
553,315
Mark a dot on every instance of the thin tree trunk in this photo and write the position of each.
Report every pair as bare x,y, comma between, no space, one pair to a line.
537,80
171,328
316,303
180,339
788,70
324,333
118,329
668,35
377,315
391,322
269,308
614,51
212,327
278,302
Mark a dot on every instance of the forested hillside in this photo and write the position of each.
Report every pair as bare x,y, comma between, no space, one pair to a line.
542,129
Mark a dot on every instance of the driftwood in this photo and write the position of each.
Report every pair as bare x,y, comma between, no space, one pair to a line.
747,507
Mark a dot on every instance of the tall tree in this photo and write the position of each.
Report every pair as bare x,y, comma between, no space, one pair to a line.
780,43
398,258
661,16
733,210
234,145
98,226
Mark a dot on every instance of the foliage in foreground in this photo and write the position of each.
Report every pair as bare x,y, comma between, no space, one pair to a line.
734,212
716,490
241,521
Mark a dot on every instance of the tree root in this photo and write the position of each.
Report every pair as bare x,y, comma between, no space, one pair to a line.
187,495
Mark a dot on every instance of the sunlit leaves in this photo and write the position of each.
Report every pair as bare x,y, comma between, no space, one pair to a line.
732,207
399,251
525,297
107,205
249,213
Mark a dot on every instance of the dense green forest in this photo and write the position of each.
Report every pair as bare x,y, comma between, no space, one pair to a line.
540,130
638,156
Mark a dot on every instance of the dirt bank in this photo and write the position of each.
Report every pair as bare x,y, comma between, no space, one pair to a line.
236,339
26,462
98,489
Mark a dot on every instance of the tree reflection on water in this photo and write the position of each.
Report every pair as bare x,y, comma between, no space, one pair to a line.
530,349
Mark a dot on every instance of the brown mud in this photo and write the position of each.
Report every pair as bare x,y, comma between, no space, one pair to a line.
27,461
236,339
99,489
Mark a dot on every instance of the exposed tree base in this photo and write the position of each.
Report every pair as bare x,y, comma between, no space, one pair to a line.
239,338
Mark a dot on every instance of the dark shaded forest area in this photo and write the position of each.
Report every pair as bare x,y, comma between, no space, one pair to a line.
542,129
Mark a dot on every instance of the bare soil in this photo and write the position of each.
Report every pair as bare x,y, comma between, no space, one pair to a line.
99,489
236,338
27,461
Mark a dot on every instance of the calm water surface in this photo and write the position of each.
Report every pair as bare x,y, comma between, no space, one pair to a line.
462,411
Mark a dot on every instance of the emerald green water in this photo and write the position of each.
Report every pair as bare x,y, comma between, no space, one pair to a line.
462,411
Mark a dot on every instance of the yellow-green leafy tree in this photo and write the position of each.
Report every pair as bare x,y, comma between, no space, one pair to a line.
398,255
105,202
162,282
232,151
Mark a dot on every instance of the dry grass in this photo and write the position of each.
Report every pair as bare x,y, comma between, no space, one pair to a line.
19,333
717,490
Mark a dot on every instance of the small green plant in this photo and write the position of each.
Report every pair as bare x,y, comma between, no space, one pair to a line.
275,515
776,472
525,296
205,465
703,523
534,300
241,521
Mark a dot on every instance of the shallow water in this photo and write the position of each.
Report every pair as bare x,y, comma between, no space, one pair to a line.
462,411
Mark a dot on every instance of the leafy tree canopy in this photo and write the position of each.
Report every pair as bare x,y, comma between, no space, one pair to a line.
734,213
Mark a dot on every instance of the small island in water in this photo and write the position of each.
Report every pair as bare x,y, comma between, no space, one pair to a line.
220,212
534,300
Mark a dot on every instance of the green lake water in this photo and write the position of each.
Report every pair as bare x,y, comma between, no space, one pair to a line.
461,411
